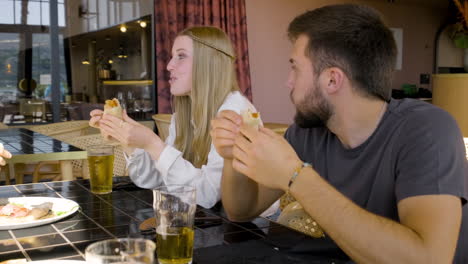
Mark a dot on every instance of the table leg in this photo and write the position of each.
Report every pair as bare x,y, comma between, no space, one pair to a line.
6,171
11,172
66,169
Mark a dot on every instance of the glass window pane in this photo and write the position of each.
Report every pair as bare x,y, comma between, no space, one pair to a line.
34,13
17,12
41,67
9,49
6,13
45,19
61,15
41,63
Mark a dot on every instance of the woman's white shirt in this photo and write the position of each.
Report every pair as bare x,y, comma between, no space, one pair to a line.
172,168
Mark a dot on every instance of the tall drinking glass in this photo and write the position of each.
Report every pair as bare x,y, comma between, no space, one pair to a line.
174,207
125,250
101,168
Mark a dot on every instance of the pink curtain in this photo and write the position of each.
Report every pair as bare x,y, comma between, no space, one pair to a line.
172,16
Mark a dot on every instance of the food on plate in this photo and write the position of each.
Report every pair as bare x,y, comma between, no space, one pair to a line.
15,213
251,118
113,107
14,261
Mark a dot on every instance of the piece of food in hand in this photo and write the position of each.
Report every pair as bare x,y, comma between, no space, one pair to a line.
113,107
251,118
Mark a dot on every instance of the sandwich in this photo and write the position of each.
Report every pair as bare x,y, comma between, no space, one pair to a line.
113,107
251,118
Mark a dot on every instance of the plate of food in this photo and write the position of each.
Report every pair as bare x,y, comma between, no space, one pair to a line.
23,212
24,261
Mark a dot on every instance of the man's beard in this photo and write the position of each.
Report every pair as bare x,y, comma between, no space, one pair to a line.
309,115
308,120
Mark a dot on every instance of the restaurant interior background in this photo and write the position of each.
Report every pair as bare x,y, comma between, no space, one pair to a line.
60,59
57,66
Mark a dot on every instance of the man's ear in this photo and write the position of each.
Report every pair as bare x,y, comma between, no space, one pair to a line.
334,79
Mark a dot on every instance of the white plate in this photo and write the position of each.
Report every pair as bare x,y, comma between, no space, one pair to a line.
62,207
57,262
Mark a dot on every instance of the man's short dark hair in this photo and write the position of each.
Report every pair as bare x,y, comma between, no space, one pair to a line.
354,39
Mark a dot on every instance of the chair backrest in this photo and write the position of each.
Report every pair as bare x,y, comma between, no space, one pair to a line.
83,142
3,126
277,127
31,107
63,130
162,122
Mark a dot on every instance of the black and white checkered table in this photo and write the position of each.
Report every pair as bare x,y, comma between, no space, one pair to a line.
119,214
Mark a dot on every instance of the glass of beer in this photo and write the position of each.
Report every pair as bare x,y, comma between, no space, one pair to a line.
124,250
101,168
174,207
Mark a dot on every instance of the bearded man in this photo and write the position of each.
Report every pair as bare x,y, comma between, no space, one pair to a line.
384,178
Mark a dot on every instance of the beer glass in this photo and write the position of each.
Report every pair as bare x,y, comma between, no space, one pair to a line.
101,168
174,207
124,250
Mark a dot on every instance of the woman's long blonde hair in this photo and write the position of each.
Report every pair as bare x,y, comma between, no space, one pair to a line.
213,78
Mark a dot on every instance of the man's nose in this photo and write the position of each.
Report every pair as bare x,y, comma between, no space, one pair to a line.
290,81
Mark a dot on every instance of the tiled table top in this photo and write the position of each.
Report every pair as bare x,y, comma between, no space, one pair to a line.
20,141
119,214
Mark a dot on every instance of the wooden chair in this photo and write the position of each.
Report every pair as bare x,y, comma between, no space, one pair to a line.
162,123
32,109
63,131
4,171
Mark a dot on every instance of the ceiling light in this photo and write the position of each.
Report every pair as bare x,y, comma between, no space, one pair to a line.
110,61
85,62
123,28
143,24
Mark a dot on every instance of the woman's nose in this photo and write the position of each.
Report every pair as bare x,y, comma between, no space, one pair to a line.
170,65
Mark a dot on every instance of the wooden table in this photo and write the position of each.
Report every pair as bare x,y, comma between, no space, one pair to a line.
27,146
277,127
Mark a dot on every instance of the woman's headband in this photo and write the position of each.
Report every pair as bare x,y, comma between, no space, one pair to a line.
210,45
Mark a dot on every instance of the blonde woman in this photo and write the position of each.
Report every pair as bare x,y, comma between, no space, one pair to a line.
203,83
